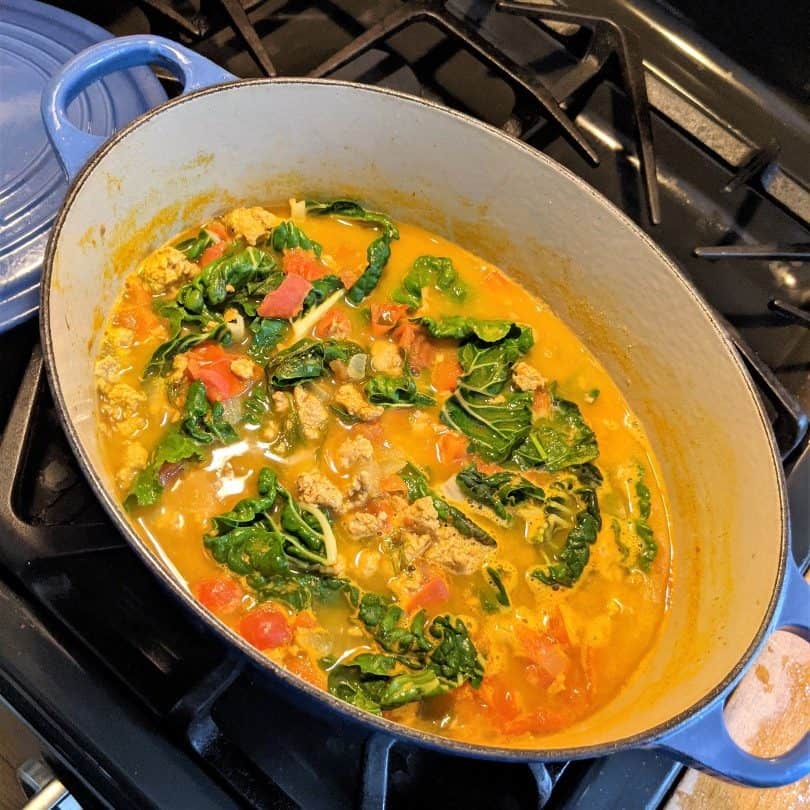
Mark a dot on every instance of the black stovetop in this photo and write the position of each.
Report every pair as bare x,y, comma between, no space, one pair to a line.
141,706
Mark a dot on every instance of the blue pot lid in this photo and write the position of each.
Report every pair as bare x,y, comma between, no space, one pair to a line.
35,41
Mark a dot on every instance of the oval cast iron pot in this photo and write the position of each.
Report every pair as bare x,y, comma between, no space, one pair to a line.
225,142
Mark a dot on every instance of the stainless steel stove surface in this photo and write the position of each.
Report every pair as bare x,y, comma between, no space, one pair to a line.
139,705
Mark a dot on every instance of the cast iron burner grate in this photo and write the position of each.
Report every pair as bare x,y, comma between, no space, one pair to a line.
577,92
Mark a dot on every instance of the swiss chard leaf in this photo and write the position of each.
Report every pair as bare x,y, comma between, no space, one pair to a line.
572,523
194,246
417,486
267,334
429,271
287,235
396,392
204,421
256,405
161,360
249,510
308,359
499,491
377,253
559,440
223,277
488,367
494,427
459,327
429,660
322,288
349,209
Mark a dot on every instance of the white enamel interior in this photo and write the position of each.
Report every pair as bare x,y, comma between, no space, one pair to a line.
263,142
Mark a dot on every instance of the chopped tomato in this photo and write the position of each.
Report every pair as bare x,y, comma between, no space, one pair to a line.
393,483
452,447
218,230
301,666
540,721
384,317
287,299
556,627
420,350
405,334
265,627
537,676
303,263
219,593
335,321
136,311
445,373
499,699
542,649
213,252
373,431
210,363
434,592
306,618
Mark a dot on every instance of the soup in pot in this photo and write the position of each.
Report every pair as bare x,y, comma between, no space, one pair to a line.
388,467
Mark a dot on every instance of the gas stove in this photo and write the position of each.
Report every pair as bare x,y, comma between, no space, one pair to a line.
698,135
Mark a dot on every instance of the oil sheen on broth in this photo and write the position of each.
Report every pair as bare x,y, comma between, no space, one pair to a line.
399,476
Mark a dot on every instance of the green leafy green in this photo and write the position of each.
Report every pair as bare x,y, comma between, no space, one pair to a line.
322,288
430,659
201,425
488,367
377,253
204,421
308,359
287,235
267,334
349,209
499,491
194,246
396,392
161,360
224,276
256,405
268,537
495,427
458,327
501,595
572,523
429,271
559,440
417,486
649,546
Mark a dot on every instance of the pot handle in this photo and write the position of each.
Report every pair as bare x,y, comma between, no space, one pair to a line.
704,743
73,147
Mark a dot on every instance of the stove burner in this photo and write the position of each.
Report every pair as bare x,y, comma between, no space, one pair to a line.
608,40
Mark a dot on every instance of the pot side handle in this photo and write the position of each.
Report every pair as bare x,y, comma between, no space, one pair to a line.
73,146
704,743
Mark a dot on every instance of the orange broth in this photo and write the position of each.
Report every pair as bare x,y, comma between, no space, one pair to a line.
553,655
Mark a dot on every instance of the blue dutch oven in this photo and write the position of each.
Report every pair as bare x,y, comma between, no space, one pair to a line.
225,141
